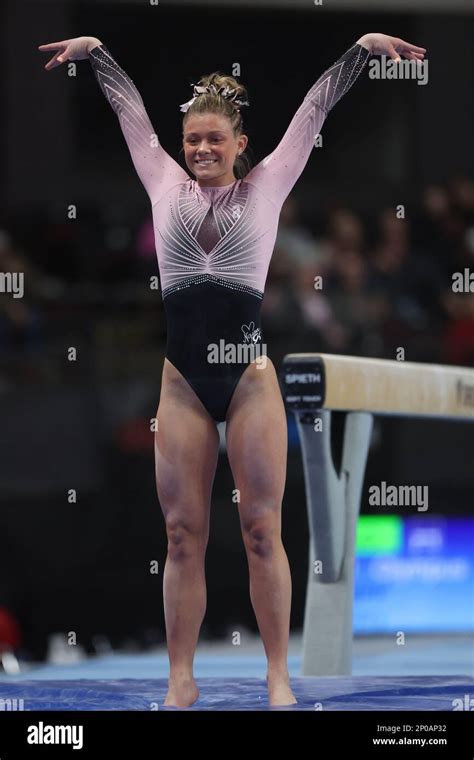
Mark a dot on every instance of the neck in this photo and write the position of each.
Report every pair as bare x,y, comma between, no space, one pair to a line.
218,181
226,179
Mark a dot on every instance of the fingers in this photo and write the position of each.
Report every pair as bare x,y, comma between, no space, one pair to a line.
416,49
54,45
55,61
412,48
411,55
412,52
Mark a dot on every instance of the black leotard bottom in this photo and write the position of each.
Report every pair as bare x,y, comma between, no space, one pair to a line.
205,322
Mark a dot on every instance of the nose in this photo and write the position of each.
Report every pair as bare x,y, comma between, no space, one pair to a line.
203,148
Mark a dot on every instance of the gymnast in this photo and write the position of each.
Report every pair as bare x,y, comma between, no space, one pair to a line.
214,234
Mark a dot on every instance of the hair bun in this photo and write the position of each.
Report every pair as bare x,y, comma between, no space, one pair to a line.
219,84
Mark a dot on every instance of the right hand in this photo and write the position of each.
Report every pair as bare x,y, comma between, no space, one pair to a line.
76,49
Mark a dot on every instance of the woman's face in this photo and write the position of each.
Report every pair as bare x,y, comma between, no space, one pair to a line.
210,148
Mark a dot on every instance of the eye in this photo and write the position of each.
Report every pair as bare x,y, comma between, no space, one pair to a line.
193,140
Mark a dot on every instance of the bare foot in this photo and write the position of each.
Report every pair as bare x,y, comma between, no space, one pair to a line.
182,692
279,690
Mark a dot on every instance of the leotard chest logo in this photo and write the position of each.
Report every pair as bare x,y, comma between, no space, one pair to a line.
251,333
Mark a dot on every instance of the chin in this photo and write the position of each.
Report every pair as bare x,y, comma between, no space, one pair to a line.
208,175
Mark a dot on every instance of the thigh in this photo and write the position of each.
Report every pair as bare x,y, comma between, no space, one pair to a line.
256,438
186,454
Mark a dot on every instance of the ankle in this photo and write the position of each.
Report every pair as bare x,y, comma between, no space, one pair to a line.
180,675
277,672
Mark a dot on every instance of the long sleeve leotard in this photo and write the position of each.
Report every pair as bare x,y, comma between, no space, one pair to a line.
214,244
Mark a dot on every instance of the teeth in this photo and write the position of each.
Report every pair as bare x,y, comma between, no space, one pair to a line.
208,161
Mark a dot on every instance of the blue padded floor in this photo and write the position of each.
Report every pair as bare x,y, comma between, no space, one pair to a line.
326,693
426,674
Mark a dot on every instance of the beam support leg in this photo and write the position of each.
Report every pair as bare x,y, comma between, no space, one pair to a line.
333,501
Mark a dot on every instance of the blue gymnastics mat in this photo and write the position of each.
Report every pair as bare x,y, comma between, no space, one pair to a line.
312,693
429,673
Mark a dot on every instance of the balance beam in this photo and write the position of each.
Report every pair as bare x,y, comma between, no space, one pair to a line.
381,386
313,386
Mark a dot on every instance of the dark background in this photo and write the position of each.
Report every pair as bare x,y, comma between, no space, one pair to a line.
84,425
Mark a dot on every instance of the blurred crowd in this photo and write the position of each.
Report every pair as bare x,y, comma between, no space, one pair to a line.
369,287
351,283
358,285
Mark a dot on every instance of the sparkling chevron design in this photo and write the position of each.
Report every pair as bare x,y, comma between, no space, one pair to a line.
233,259
220,234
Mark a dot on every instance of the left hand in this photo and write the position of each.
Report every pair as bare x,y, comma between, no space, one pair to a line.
383,44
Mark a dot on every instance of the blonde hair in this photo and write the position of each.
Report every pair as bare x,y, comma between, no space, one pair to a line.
207,102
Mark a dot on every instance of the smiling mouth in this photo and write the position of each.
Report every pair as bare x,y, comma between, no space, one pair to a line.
206,162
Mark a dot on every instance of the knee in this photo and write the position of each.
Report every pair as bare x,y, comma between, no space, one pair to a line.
261,534
185,538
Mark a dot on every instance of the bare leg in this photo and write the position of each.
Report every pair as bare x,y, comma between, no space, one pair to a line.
186,452
256,438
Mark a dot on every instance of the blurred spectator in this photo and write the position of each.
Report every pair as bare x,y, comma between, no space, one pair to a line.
279,305
355,306
458,336
439,228
294,238
316,311
345,233
402,275
461,190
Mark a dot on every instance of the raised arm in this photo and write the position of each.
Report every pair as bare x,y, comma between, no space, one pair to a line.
156,168
276,174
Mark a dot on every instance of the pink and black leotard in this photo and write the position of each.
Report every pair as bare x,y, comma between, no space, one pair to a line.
214,244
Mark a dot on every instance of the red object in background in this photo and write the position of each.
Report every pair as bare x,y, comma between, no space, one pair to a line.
458,342
135,437
10,631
